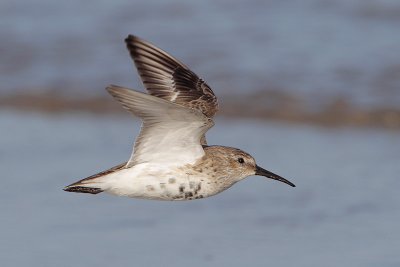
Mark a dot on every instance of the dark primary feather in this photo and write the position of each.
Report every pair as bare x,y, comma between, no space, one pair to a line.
167,78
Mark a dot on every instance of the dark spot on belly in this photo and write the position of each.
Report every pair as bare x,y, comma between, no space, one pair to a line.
197,189
199,196
181,188
162,185
188,194
171,180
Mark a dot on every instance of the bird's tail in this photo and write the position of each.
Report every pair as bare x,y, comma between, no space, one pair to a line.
82,189
92,184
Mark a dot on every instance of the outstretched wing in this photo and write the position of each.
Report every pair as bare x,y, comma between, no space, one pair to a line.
170,133
167,78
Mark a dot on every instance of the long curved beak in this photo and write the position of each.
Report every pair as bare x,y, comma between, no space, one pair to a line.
268,174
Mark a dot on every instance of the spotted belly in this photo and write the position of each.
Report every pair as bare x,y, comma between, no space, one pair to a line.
172,189
189,191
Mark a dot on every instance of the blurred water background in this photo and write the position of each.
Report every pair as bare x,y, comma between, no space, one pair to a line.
313,55
317,47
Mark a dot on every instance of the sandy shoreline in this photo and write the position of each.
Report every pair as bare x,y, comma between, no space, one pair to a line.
275,106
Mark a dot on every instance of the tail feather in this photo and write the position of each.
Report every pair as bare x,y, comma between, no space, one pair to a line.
91,184
82,189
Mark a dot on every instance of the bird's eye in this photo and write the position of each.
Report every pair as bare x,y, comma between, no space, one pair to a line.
240,160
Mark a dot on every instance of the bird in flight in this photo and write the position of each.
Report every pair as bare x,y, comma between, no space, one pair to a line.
171,159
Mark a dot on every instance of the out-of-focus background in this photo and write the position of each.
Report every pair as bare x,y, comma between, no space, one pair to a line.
310,88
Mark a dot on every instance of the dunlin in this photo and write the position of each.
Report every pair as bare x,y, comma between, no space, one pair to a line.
171,159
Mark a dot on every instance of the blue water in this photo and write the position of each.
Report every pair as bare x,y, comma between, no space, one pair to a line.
310,48
344,211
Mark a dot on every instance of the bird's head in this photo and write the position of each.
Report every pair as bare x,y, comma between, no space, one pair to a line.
242,164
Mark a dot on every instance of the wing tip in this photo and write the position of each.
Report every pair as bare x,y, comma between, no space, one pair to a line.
112,88
131,38
116,90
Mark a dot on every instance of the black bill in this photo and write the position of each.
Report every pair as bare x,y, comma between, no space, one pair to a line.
268,174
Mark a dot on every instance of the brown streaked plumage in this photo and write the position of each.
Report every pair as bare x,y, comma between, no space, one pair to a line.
171,160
